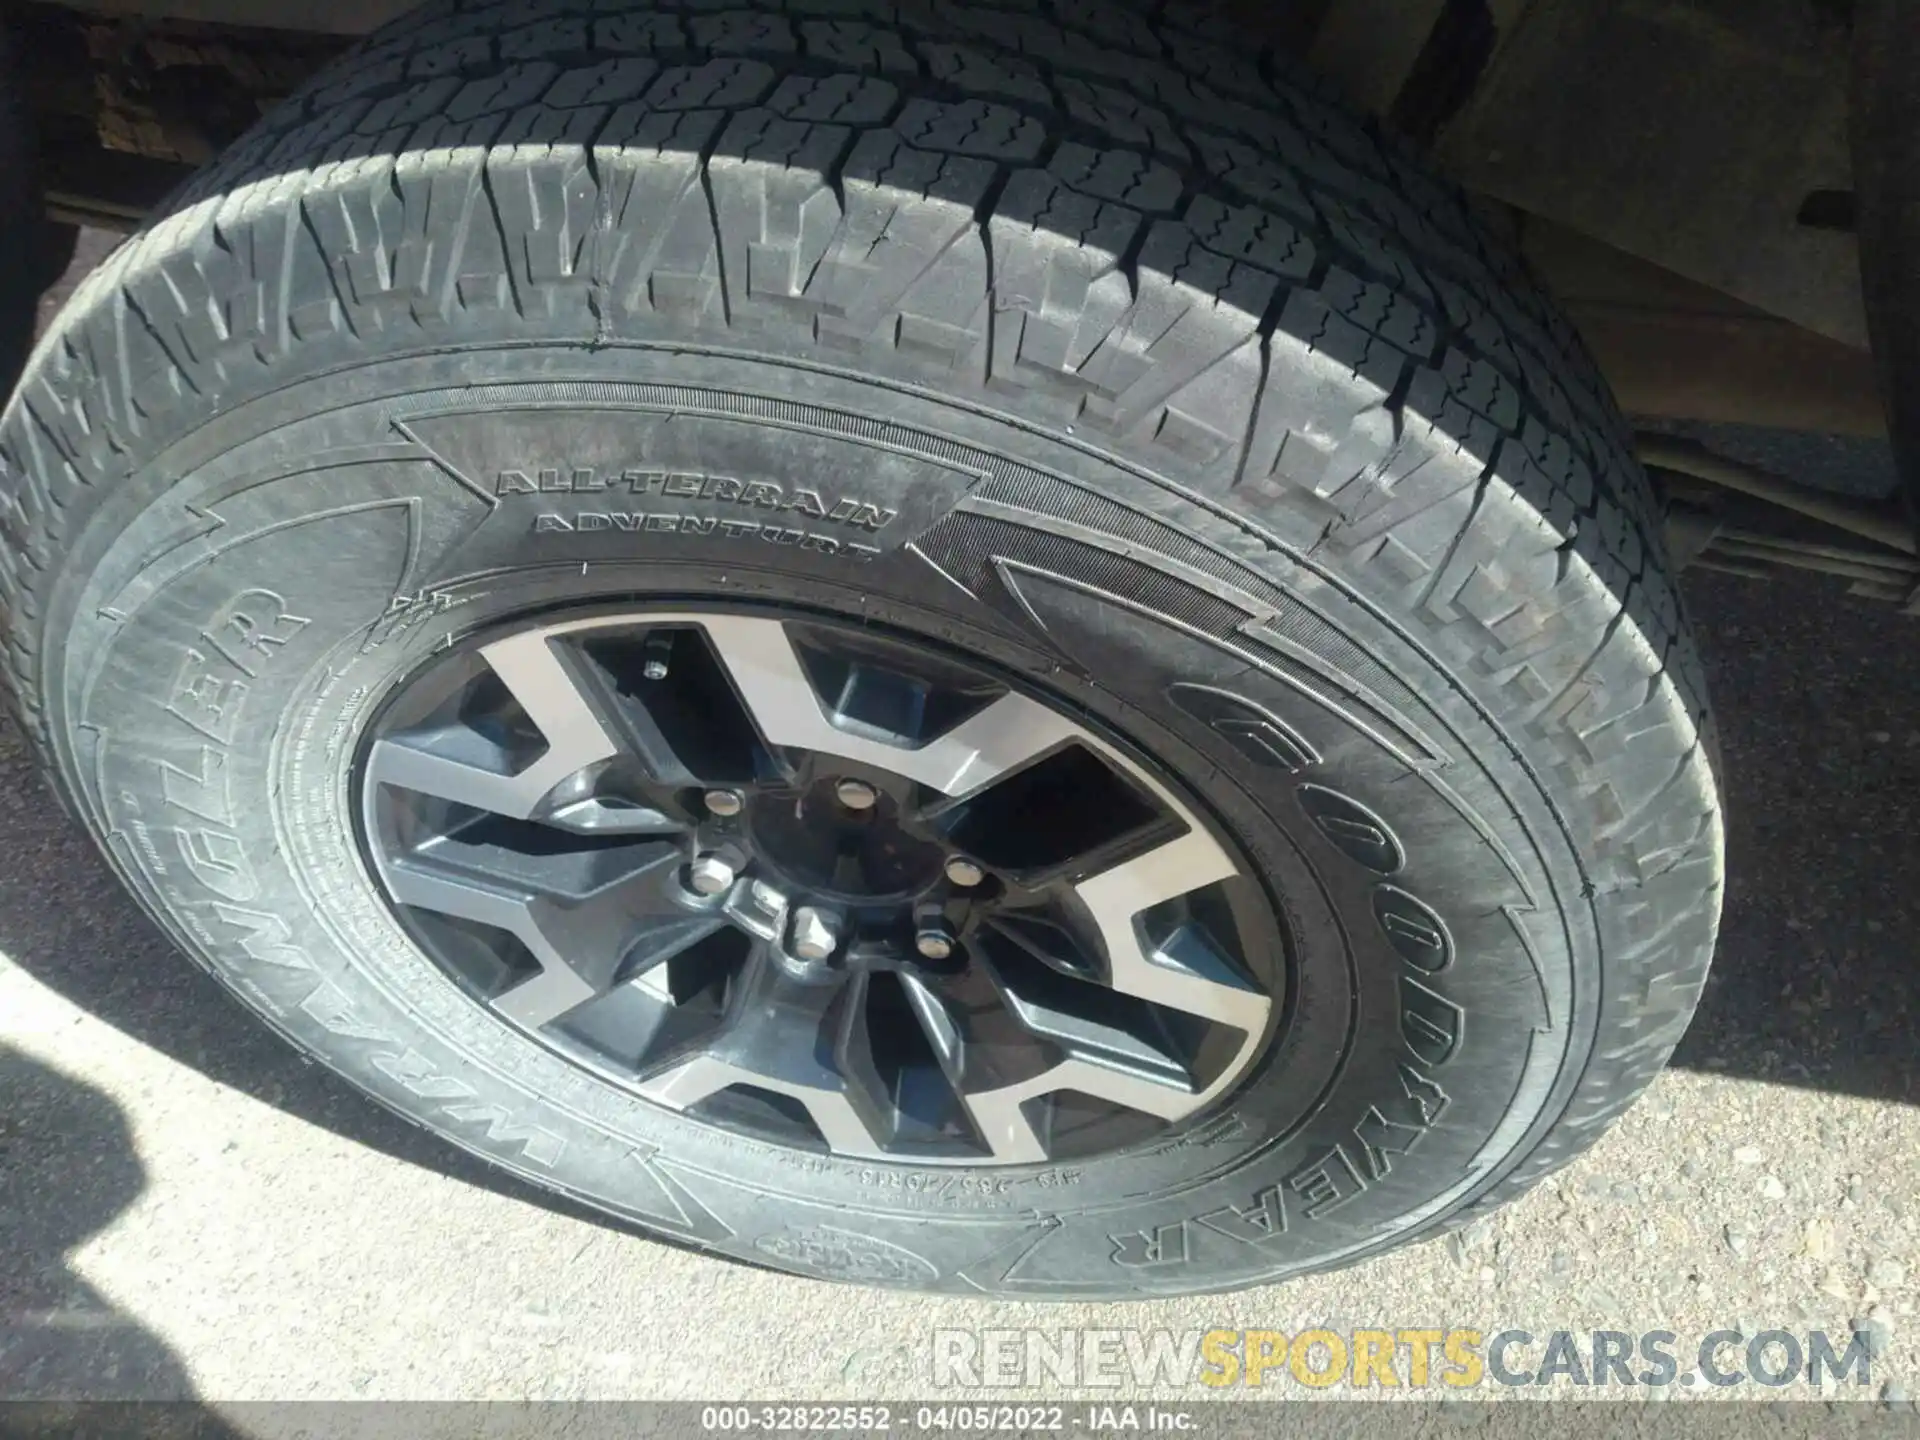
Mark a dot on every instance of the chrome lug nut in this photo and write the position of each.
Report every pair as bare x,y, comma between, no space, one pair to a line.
815,937
856,794
658,651
712,875
724,802
964,873
934,940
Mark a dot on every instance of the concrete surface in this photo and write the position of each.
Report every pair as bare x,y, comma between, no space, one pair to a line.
187,1208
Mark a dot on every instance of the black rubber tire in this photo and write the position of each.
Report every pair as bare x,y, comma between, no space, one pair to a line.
1168,376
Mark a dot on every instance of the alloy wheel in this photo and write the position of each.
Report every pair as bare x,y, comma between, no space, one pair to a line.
819,883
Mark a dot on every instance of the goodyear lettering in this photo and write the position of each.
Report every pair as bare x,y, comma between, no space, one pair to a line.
1256,1224
1326,1183
1413,929
1380,1138
1163,1245
1430,1023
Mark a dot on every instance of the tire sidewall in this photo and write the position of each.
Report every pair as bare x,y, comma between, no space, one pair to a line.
381,526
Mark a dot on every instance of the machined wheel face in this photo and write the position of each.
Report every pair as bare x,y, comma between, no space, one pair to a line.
819,883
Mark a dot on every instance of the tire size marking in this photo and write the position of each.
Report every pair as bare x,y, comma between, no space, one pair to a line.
960,1187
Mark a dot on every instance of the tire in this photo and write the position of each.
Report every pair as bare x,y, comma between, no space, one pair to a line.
1072,339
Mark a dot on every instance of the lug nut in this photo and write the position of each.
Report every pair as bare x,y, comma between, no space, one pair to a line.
814,935
711,875
964,873
724,802
934,940
856,794
657,652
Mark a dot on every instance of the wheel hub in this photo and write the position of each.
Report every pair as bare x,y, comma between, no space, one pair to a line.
865,855
819,884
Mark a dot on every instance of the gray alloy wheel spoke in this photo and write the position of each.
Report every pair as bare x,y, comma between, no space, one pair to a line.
599,815
636,729
581,942
1186,978
976,1037
544,682
979,1043
613,861
976,1021
893,1104
1001,1115
1006,735
756,1046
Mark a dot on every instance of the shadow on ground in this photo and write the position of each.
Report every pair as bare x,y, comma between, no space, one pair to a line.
67,1169
1817,981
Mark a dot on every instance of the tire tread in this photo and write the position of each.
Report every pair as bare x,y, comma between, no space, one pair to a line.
1169,227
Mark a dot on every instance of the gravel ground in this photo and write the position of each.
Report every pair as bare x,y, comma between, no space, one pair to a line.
187,1208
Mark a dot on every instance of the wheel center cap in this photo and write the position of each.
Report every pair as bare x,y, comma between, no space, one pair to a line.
812,839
